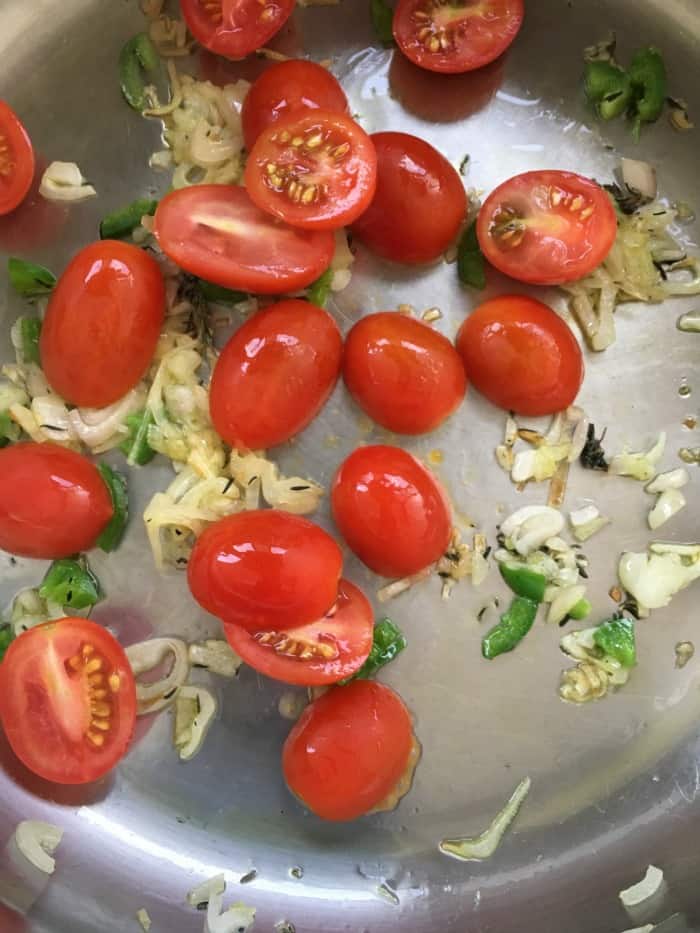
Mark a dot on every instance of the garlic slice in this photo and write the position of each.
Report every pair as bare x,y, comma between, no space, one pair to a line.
37,841
145,656
63,181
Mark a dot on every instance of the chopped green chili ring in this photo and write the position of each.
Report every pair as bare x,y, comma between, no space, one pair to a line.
471,267
382,21
135,446
608,87
9,430
387,642
111,537
217,294
580,610
122,223
28,279
515,623
524,582
29,330
71,583
139,54
616,639
319,290
6,638
648,76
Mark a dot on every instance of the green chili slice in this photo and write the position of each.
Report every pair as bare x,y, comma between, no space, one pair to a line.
28,279
580,610
524,582
387,642
9,430
135,446
616,639
382,21
319,290
471,267
515,623
111,536
71,583
608,87
217,294
648,76
6,638
30,330
137,55
122,223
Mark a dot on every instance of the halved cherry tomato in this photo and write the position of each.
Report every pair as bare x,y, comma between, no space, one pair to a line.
391,511
420,201
521,355
102,323
275,374
216,232
455,37
348,750
16,160
265,570
235,28
53,501
287,88
322,652
67,700
314,169
404,374
547,227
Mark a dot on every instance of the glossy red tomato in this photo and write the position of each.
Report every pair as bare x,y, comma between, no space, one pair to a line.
404,374
216,232
521,355
348,750
419,205
234,28
547,227
391,511
314,169
53,501
102,324
16,160
265,570
67,700
322,652
275,374
287,88
450,37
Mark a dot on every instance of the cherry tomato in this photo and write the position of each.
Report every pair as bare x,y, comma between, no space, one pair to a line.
348,750
322,652
521,355
216,232
67,700
275,374
16,160
419,204
53,501
102,324
450,37
234,28
314,169
391,511
404,374
286,88
265,570
547,227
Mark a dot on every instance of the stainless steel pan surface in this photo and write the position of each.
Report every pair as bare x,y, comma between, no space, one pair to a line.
615,784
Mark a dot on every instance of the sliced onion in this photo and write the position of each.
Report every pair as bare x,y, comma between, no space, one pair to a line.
690,322
147,655
190,735
640,176
563,602
655,578
207,889
669,503
215,656
37,841
144,919
639,465
237,919
644,889
482,847
673,479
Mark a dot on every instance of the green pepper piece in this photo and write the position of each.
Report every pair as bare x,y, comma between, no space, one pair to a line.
29,330
135,446
387,642
515,623
580,610
648,76
6,638
524,582
122,223
28,279
616,638
319,290
9,430
608,87
112,534
218,294
382,20
471,267
71,583
137,55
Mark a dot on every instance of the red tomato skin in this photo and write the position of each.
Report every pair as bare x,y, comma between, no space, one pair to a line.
478,45
391,510
31,728
17,156
419,204
277,258
53,501
241,26
521,355
265,570
275,374
287,88
405,375
351,623
348,750
545,259
102,323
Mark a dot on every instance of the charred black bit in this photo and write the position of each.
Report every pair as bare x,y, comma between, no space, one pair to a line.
582,572
501,539
593,455
249,876
630,605
227,486
487,552
627,199
299,488
170,693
